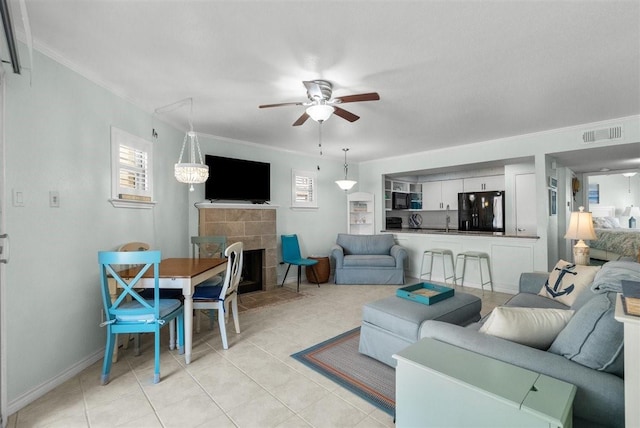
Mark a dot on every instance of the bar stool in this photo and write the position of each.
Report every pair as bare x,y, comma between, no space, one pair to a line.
473,255
438,252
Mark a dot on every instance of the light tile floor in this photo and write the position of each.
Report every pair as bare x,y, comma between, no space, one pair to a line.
255,383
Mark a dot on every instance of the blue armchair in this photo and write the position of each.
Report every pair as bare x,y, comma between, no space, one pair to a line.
368,259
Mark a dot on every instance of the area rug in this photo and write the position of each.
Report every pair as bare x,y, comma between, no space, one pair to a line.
339,360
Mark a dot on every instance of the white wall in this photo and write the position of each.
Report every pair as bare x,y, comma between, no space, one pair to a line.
537,145
57,138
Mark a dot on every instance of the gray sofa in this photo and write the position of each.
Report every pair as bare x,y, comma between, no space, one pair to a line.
368,259
594,339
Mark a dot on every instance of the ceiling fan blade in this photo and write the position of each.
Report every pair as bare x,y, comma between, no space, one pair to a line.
302,119
371,96
345,114
313,89
280,104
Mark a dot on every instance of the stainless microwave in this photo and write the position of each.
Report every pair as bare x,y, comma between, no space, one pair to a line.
401,201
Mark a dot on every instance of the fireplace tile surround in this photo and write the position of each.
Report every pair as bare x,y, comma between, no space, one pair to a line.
255,226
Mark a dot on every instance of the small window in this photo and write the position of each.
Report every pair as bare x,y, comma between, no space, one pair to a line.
131,170
304,189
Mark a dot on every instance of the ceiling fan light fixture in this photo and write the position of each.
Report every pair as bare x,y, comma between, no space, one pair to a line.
320,112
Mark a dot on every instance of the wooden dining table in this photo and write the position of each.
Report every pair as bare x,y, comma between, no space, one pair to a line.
178,273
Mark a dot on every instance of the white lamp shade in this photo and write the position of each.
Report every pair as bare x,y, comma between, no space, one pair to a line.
320,112
631,212
580,226
346,184
191,173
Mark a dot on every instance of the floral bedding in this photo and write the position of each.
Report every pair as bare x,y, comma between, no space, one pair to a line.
625,242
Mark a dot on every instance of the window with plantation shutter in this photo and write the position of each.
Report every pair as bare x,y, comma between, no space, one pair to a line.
131,170
304,189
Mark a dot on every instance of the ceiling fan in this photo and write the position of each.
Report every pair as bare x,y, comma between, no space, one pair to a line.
321,106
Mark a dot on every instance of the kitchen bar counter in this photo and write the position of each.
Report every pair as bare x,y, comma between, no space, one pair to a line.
425,230
510,255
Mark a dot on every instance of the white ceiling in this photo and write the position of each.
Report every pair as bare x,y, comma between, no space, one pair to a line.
448,72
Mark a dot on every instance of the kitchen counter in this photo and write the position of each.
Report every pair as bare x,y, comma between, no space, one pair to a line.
430,231
510,255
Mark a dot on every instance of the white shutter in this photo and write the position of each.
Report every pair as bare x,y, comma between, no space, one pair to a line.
303,189
131,169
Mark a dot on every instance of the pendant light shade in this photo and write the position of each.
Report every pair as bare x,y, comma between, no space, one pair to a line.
191,172
320,112
346,184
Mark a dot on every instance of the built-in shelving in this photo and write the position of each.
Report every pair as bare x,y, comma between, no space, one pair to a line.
360,213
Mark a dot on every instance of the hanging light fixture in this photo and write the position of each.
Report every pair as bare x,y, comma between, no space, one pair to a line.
345,184
629,175
320,112
191,172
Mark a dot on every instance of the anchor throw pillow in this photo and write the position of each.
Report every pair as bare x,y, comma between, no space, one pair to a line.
567,280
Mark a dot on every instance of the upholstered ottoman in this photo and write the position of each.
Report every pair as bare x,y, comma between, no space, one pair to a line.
393,323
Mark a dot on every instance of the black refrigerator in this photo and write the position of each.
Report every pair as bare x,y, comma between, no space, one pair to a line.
482,211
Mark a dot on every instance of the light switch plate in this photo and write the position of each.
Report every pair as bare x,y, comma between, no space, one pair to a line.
18,198
54,199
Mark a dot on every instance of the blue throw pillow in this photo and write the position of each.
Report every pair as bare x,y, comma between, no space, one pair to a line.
593,337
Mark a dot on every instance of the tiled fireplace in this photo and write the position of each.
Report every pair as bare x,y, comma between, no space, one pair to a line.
254,225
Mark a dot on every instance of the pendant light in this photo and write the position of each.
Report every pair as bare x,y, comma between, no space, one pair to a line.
345,184
191,172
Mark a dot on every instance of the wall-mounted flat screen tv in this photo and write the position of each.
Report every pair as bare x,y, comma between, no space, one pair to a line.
237,180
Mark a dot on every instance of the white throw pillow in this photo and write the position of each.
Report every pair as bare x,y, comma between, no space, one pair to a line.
567,280
535,327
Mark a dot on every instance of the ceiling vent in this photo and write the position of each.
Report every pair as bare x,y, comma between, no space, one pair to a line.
602,134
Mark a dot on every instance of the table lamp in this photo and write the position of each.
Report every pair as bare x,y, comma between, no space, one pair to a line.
580,228
634,214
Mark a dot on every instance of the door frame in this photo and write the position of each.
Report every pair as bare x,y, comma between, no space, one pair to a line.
3,282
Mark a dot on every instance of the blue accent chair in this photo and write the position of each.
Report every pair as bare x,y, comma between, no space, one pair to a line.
291,254
137,315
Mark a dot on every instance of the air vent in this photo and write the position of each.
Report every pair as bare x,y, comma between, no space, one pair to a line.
602,134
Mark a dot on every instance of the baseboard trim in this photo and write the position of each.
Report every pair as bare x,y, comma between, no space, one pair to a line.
45,387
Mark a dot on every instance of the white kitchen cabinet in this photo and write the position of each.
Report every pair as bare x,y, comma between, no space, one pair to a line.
526,221
484,184
450,190
360,213
436,195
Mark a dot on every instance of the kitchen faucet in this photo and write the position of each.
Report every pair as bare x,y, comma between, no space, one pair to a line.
448,219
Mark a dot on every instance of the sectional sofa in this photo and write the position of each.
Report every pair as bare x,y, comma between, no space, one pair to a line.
587,352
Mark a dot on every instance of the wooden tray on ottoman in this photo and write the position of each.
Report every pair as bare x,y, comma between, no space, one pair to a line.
425,293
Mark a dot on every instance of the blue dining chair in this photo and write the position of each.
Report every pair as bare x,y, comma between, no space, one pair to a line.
147,294
137,315
291,254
